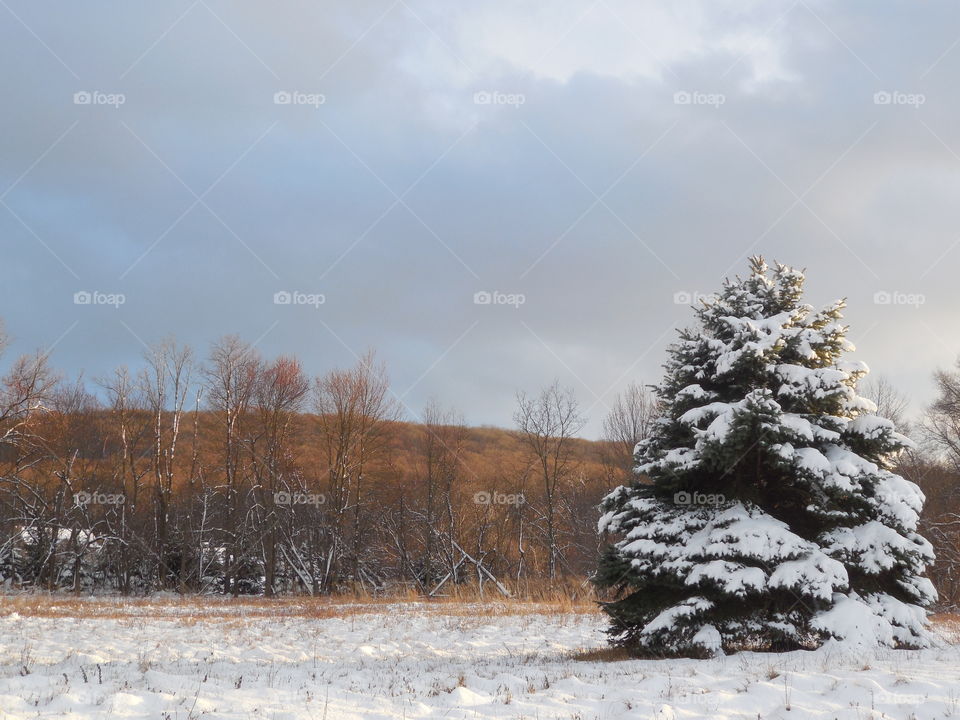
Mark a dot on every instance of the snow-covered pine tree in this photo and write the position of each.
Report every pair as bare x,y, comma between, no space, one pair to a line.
770,517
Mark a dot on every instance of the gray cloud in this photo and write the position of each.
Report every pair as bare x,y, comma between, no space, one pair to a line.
599,197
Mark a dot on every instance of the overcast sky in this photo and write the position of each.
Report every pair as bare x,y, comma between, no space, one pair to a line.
602,162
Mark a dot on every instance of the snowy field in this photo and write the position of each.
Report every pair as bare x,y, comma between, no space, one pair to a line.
178,661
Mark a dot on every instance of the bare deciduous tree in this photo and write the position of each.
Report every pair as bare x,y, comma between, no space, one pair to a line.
942,421
278,397
443,438
546,423
26,391
891,403
936,471
165,384
629,421
231,375
354,407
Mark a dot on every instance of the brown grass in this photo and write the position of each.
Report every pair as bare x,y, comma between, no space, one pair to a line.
948,618
948,624
461,602
602,654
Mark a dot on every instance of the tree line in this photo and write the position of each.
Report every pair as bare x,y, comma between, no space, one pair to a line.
239,474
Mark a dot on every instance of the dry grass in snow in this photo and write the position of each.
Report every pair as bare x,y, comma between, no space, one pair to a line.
293,658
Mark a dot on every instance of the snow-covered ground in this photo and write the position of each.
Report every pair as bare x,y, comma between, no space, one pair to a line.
414,661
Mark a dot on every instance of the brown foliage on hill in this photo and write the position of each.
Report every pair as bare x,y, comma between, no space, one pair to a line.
257,480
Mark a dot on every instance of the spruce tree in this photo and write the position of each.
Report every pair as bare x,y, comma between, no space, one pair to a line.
766,514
